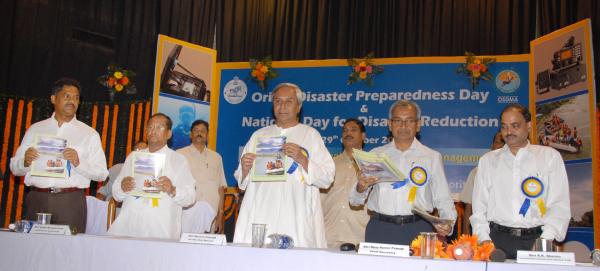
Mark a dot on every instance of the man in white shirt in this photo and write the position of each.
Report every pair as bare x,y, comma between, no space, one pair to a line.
207,169
425,185
293,206
64,197
158,216
521,190
345,223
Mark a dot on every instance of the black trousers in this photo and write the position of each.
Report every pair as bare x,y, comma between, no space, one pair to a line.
66,208
390,233
510,243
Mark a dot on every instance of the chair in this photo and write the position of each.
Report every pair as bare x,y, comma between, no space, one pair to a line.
582,252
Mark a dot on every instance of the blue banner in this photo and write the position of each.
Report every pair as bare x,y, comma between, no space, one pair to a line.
457,120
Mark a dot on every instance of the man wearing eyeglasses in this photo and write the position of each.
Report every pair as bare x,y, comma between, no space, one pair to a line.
157,215
425,186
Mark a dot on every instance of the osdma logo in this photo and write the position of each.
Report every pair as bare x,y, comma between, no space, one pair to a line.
235,91
508,81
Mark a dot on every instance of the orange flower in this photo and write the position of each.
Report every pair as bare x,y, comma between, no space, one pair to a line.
415,245
118,87
124,81
483,252
260,76
363,75
264,69
111,82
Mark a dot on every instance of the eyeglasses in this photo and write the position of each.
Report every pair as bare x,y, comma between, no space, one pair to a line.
157,127
404,121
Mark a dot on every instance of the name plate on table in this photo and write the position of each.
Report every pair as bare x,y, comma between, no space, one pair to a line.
543,257
51,229
203,238
383,249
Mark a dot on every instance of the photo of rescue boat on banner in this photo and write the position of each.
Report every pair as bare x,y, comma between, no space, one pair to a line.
561,127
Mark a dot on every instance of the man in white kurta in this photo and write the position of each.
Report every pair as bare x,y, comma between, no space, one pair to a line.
292,207
139,216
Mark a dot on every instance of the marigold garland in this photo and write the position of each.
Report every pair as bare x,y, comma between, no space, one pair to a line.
261,70
363,70
476,68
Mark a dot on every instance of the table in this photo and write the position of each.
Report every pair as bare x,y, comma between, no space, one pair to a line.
20,251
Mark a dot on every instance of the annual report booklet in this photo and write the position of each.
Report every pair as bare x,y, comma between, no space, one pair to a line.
50,162
377,165
147,168
270,162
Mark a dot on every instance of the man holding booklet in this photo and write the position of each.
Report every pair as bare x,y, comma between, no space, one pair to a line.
154,185
58,157
419,183
281,170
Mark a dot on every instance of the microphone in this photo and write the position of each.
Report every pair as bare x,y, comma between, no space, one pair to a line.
498,255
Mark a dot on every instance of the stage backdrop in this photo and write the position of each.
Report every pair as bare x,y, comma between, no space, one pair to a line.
564,92
183,84
457,120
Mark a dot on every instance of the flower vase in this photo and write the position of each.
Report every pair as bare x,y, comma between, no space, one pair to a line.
111,96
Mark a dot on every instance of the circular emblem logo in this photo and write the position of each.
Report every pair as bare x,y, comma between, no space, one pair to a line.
508,81
235,91
418,176
532,187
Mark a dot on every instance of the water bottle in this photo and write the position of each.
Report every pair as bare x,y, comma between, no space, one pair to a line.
280,241
22,226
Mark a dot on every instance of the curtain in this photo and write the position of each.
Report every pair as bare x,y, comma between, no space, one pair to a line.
326,29
45,40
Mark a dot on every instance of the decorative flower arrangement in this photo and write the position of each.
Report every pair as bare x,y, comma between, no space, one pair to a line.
261,70
464,248
363,70
117,79
476,68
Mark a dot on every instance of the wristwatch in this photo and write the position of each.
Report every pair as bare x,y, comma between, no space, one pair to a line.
596,256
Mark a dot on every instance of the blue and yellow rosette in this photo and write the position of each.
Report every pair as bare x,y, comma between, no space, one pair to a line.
295,165
418,177
532,188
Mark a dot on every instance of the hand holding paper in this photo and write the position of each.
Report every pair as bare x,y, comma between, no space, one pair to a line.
30,154
127,184
364,182
71,155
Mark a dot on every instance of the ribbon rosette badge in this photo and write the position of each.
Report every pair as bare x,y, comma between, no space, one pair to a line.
532,188
418,176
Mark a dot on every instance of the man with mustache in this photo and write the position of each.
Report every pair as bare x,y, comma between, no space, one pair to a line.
425,185
345,223
64,197
293,206
207,169
521,190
